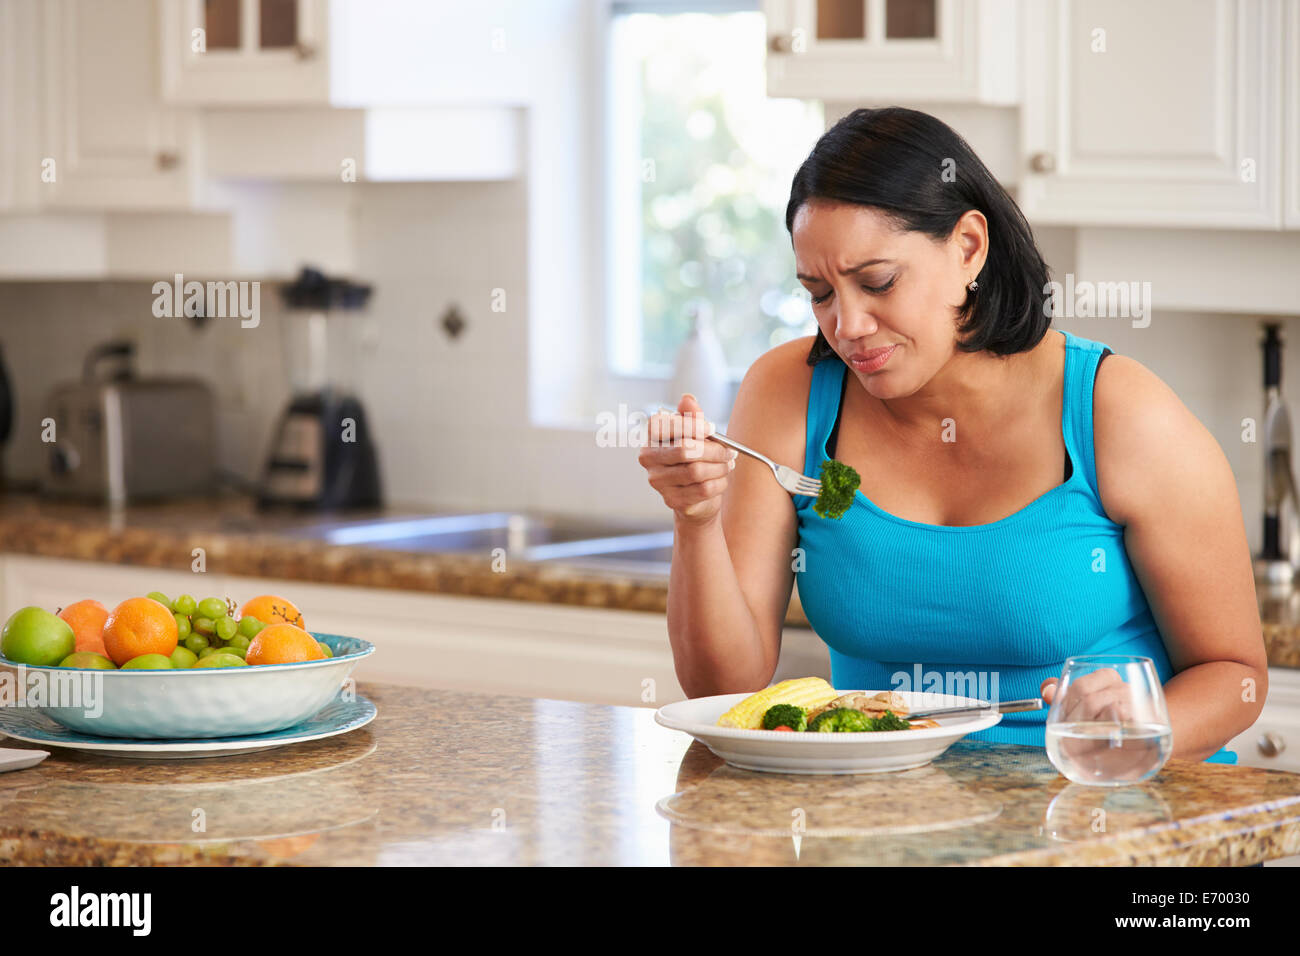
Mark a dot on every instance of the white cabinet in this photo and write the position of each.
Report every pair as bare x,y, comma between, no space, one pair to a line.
1159,113
109,140
269,52
1291,114
893,51
1273,742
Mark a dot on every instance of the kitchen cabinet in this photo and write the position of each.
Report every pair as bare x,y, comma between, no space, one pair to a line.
106,139
1161,113
893,51
1291,121
1273,742
232,52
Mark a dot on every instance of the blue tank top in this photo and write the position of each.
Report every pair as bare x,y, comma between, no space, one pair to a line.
978,610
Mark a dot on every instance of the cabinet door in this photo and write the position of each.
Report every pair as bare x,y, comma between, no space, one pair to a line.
893,51
1291,120
1160,113
270,52
114,145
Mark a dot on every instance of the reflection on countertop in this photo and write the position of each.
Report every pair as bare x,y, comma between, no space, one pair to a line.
444,777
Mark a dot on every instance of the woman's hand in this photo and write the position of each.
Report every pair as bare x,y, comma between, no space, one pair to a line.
689,471
1097,695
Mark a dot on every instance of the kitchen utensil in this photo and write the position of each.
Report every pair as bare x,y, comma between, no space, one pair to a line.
337,717
323,455
119,438
1276,563
868,752
1124,743
203,702
789,479
1005,707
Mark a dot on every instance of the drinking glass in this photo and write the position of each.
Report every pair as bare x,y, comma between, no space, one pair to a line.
1108,725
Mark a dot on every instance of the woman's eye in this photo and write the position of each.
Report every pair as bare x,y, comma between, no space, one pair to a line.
819,299
880,289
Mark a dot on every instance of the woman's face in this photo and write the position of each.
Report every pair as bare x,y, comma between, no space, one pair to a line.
874,285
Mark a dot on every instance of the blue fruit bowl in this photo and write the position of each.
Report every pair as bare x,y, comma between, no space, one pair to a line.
194,702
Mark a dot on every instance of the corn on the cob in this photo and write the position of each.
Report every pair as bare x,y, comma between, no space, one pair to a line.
805,692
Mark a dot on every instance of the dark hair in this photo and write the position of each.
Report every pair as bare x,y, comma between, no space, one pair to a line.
894,159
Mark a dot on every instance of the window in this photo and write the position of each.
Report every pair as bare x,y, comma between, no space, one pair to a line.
700,164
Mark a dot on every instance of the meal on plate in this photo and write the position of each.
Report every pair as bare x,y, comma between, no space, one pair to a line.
810,704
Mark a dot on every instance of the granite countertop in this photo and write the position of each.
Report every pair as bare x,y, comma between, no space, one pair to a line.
442,777
239,540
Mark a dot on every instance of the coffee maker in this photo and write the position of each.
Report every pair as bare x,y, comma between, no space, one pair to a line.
323,455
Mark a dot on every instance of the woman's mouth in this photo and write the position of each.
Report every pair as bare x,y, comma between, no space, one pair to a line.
873,360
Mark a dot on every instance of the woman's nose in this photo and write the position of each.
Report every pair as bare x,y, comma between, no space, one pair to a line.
854,322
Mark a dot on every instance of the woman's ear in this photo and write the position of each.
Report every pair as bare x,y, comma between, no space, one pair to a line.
972,237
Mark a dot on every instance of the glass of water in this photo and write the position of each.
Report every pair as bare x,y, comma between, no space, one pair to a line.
1108,725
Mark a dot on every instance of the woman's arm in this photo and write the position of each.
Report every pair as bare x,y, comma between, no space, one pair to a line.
1163,477
732,575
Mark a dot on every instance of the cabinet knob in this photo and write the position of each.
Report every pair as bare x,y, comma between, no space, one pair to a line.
1042,162
1271,744
168,159
305,51
780,43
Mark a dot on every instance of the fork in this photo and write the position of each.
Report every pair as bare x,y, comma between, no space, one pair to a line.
792,481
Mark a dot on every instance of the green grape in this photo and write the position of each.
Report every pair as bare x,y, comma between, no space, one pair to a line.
239,640
185,604
182,627
196,643
161,598
226,627
234,649
326,648
212,607
206,652
203,625
249,626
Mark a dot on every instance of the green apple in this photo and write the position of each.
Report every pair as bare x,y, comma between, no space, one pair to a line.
221,659
89,660
183,657
149,662
35,636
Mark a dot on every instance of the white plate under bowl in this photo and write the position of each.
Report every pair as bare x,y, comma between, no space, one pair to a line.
777,751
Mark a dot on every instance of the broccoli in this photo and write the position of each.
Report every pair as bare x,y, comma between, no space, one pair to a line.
840,720
839,485
785,715
889,721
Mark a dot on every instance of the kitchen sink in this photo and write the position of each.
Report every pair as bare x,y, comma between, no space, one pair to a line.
595,544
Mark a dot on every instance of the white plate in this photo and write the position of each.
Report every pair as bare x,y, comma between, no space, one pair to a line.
776,751
12,758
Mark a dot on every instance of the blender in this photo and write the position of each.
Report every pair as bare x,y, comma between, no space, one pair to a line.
323,455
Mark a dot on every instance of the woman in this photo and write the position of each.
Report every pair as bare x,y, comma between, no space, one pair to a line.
1021,500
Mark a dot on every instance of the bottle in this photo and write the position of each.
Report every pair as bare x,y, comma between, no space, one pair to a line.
701,367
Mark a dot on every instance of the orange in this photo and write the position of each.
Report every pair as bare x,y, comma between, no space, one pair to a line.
86,618
139,626
272,609
283,644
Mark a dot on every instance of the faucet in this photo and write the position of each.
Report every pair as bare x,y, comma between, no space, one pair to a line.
1276,563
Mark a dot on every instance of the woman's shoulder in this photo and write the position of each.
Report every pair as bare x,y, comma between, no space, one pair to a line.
1145,438
772,404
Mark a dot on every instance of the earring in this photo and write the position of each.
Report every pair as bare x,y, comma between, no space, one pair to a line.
974,285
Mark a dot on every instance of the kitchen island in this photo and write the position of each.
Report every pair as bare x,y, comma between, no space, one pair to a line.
445,778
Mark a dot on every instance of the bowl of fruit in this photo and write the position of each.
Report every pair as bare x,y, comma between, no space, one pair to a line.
154,668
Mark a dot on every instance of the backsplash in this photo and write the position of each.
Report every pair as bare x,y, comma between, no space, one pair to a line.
450,414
